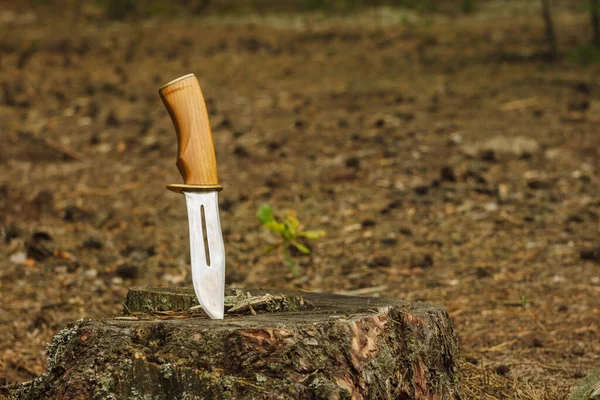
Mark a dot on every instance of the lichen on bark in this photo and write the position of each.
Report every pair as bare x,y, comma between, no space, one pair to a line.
343,348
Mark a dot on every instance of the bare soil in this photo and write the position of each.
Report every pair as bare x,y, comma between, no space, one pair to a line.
447,159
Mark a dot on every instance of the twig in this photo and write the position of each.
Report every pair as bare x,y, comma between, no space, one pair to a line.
64,151
363,291
537,363
519,104
499,346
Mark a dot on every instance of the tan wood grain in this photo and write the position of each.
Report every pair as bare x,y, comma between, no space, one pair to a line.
195,152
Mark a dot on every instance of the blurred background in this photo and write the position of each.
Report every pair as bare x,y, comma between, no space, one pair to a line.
449,150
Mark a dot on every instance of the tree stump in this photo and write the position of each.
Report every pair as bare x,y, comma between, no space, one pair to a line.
271,345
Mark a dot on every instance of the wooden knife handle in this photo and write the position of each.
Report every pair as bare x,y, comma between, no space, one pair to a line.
195,149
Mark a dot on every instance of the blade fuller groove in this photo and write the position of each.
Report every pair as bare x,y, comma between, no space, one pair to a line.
205,235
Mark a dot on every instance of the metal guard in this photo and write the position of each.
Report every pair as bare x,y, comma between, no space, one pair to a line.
183,187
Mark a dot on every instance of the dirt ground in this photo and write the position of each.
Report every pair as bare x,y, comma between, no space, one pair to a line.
447,159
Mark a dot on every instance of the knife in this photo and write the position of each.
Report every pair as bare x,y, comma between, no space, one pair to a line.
197,164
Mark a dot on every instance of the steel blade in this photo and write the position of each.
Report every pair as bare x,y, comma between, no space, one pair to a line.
207,251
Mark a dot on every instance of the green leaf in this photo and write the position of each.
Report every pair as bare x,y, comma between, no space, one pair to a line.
275,227
288,231
265,214
312,234
292,219
301,247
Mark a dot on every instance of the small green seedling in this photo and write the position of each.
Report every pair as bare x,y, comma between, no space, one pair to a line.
290,233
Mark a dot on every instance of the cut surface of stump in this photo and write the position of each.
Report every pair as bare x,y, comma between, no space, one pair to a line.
271,345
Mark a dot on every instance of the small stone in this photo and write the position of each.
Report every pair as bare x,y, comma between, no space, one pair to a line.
537,184
488,155
274,181
424,261
447,174
380,261
389,241
84,121
241,151
474,176
138,255
421,190
112,120
491,207
273,146
563,308
94,139
128,271
40,235
61,269
481,272
226,204
93,243
90,274
353,162
519,146
391,206
18,258
352,228
40,246
455,139
151,250
538,112
73,214
591,254
367,223
405,231
174,279
503,192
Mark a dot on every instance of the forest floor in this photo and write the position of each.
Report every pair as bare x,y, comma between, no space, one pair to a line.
447,158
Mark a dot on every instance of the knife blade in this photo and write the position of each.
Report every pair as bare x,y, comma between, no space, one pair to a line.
197,165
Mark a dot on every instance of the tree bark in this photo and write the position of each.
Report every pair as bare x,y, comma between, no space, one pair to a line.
296,346
549,24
